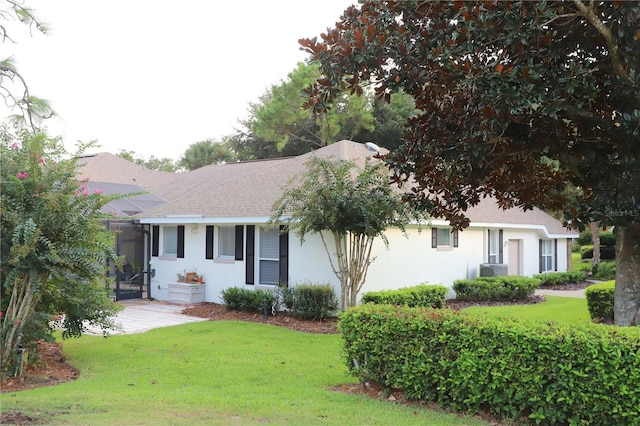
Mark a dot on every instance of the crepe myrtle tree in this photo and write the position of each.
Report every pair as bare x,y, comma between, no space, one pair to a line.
504,89
349,207
53,243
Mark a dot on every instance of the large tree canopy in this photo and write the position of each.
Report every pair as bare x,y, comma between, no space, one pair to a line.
517,100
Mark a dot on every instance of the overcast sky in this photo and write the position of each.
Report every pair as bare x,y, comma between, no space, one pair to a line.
154,76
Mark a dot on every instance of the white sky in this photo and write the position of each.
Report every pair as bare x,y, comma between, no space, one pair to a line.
155,76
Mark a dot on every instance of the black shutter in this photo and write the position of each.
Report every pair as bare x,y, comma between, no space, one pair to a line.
155,240
209,242
555,254
434,237
239,241
181,241
250,249
500,245
541,261
455,238
284,255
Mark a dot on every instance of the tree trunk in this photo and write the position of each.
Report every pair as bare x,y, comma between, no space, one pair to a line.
626,308
595,237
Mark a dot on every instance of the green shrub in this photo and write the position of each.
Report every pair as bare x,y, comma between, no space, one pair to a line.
584,238
607,239
600,301
560,278
606,252
423,295
311,301
244,299
553,373
495,288
606,271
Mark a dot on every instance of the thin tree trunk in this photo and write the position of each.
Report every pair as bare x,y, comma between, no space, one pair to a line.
595,237
626,308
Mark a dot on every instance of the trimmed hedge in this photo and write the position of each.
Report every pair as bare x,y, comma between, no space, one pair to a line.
551,373
310,301
606,252
244,299
423,296
495,288
560,278
600,301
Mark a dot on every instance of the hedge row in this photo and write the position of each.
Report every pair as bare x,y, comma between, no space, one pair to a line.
600,301
495,288
547,372
244,299
560,278
606,252
308,301
423,296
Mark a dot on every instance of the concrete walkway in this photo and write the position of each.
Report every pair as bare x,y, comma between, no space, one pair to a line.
139,316
561,293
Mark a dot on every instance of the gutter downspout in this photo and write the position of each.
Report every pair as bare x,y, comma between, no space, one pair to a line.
148,272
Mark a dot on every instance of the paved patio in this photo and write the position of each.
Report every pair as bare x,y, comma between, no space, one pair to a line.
139,316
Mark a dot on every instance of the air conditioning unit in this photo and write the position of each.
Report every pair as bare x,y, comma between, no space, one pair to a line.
493,270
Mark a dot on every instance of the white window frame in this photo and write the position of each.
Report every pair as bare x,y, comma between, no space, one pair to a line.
494,249
267,258
170,240
548,256
226,242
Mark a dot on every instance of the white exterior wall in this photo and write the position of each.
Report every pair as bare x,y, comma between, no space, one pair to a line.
407,262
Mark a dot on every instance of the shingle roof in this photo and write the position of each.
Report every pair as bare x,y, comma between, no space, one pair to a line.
249,189
106,167
246,189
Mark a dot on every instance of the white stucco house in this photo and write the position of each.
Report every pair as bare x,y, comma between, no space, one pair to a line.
213,221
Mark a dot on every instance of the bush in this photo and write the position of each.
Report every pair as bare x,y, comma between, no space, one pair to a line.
606,271
560,278
495,288
244,299
553,373
310,301
606,252
600,301
422,296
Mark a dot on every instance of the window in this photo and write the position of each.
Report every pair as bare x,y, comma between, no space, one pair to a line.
444,237
495,246
548,255
170,241
227,241
268,256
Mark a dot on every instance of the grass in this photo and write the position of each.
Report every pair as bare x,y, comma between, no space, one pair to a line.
570,310
214,372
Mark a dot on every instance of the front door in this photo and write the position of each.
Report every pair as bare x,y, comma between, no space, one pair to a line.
513,266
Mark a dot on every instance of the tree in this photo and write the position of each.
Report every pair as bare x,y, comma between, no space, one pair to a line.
152,163
355,205
15,92
281,120
204,153
501,86
53,243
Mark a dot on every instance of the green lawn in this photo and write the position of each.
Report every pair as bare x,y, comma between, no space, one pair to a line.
214,372
572,310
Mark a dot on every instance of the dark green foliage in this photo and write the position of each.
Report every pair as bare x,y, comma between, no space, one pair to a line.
606,252
311,301
244,299
421,296
551,373
606,271
495,288
560,278
600,301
